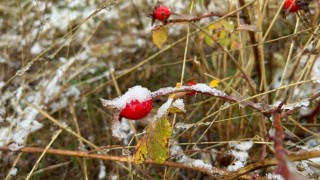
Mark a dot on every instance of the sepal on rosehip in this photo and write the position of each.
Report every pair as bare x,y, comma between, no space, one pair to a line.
135,104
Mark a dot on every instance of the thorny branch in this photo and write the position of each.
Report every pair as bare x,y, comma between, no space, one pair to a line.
281,156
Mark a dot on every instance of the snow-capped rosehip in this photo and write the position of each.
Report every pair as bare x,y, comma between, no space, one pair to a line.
136,110
135,104
161,13
291,6
191,83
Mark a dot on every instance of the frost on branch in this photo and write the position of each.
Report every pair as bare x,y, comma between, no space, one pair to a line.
302,103
201,88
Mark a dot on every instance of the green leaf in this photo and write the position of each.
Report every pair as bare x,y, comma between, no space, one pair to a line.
159,134
154,143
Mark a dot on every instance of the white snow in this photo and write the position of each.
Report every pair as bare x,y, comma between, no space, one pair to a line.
4,134
242,146
116,130
315,74
177,151
102,170
304,102
195,162
36,48
19,92
237,165
13,172
14,147
274,176
179,104
276,104
126,130
204,88
135,93
240,154
183,126
2,84
164,109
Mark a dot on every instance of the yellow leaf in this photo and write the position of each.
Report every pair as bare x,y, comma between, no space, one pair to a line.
141,150
173,110
160,36
214,83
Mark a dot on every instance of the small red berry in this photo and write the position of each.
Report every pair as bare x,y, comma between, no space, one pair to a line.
191,83
136,110
291,6
161,13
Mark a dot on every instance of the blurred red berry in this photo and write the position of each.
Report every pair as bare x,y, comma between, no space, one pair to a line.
291,6
161,13
191,83
136,110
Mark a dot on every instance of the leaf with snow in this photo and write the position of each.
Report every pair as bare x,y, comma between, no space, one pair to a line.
160,36
177,107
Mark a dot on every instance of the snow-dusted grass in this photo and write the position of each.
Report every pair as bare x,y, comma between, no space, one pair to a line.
57,61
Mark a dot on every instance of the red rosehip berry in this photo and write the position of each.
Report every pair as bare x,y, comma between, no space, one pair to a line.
135,104
161,13
136,110
291,6
191,83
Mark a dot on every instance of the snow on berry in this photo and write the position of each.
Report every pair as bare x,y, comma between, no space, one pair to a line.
291,6
161,13
135,104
